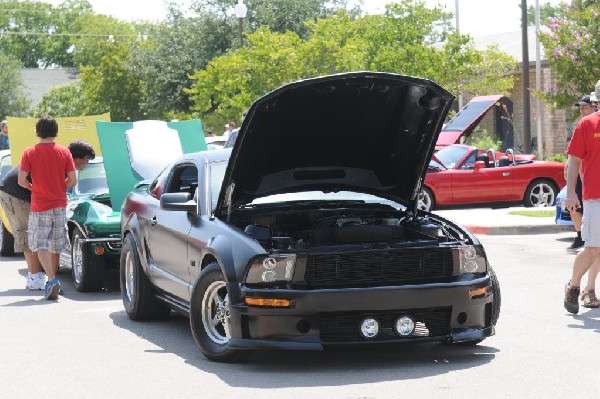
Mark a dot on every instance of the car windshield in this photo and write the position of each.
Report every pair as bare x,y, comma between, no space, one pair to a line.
217,174
449,156
92,180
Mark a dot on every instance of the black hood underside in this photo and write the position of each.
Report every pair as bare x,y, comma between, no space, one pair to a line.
365,132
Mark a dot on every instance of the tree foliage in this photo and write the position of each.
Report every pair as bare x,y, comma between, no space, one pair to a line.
572,46
547,10
13,101
403,40
38,34
113,86
62,100
184,44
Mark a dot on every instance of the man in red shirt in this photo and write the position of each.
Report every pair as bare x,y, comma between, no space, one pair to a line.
584,152
52,172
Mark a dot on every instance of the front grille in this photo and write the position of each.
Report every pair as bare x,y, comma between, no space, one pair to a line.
343,327
379,267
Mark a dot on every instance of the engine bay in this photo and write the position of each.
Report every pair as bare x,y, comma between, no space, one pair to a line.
303,229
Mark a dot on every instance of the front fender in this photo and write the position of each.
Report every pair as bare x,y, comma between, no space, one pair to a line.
93,218
131,226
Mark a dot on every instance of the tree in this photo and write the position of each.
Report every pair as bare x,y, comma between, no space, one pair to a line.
183,44
280,16
36,32
62,100
113,86
404,40
572,46
13,101
547,10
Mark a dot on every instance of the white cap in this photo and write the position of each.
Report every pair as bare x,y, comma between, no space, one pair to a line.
593,97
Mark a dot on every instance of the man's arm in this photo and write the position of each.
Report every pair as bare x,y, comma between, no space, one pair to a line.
22,180
71,179
573,165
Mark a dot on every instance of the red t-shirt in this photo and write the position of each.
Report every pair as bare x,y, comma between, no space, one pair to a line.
585,144
49,164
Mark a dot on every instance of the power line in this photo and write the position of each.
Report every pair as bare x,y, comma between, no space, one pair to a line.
70,34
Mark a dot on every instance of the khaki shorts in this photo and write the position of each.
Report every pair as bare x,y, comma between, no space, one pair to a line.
48,230
17,213
590,228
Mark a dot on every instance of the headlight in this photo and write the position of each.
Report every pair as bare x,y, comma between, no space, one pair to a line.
472,260
271,270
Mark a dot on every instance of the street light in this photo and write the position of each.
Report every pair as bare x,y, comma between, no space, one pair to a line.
240,11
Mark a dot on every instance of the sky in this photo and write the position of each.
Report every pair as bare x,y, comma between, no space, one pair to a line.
476,17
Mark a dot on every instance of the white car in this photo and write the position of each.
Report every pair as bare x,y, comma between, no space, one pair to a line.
215,142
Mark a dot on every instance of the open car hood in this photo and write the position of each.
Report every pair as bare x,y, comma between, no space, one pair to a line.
466,120
366,132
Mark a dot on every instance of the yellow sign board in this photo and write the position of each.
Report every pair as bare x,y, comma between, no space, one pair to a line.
22,133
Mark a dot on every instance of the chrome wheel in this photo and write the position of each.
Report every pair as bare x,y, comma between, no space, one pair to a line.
77,258
215,312
129,276
542,194
425,200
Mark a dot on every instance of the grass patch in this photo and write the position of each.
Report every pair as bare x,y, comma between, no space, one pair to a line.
536,213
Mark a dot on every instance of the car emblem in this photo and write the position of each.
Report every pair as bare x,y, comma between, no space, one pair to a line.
269,263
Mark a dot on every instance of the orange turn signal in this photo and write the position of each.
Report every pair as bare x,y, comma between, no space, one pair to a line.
99,250
477,293
280,303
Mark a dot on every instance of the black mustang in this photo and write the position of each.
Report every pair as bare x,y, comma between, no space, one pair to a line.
305,235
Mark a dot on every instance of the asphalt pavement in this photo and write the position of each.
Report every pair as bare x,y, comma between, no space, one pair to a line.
499,221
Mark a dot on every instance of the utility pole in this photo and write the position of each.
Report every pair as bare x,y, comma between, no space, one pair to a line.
526,99
538,82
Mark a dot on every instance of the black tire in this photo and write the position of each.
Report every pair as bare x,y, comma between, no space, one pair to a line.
497,296
209,302
7,242
136,289
426,200
87,269
540,192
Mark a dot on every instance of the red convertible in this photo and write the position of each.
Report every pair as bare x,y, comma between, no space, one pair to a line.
461,174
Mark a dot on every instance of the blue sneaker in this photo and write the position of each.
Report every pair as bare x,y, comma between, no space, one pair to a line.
52,289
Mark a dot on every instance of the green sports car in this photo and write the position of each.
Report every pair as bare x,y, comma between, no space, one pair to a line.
93,229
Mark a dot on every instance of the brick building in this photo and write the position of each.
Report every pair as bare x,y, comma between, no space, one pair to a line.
556,127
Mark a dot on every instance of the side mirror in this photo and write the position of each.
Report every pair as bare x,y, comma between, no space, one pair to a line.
479,165
178,202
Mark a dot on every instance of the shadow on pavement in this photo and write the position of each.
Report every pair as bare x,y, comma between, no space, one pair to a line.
336,367
109,292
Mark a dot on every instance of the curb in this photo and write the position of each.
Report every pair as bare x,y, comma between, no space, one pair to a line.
518,230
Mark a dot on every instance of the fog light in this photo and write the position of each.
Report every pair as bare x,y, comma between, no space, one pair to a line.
369,328
405,325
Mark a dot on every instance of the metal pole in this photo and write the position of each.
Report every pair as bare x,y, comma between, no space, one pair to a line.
241,26
526,99
538,81
460,96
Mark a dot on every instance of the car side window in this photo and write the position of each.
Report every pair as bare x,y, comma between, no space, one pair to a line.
184,179
470,161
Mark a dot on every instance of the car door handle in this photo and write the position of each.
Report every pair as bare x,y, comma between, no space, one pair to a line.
153,221
505,173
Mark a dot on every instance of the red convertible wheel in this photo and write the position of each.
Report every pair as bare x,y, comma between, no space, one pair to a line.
426,201
541,192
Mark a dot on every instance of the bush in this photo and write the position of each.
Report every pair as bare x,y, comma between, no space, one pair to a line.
482,140
557,158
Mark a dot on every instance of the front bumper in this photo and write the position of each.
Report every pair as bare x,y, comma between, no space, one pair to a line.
320,318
